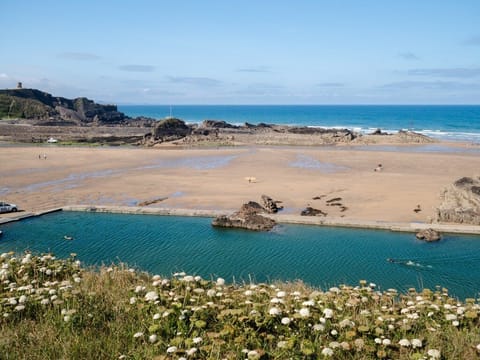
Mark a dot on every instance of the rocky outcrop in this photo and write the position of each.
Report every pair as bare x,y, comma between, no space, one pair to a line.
428,235
461,202
169,130
336,135
270,205
217,124
310,211
247,217
413,137
51,110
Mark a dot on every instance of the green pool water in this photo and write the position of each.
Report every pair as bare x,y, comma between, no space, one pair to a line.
320,256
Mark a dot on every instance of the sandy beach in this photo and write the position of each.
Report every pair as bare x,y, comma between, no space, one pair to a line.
224,178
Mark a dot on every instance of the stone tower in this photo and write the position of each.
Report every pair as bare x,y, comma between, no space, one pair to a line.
19,85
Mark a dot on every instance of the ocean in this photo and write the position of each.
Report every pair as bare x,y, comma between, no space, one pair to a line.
319,256
448,122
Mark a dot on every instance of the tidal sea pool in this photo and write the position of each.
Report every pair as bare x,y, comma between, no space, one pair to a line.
319,256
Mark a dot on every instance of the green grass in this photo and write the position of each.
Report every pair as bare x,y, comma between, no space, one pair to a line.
56,309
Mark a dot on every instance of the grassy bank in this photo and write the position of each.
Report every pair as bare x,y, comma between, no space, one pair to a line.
52,308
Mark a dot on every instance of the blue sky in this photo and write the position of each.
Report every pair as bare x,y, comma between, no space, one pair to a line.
245,52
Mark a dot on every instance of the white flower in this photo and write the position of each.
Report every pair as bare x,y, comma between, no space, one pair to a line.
281,294
152,338
434,353
197,340
318,327
12,301
328,313
171,349
248,293
66,318
308,303
252,354
139,289
386,342
19,307
451,317
455,323
138,334
327,352
198,278
188,278
304,312
378,341
156,316
274,311
191,351
151,296
285,321
220,281
133,300
44,301
478,348
334,344
283,344
404,342
22,299
416,343
334,332
211,293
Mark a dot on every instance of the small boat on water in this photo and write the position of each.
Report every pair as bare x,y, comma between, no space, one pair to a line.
68,237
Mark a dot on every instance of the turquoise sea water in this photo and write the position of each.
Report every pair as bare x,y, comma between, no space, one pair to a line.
320,256
457,123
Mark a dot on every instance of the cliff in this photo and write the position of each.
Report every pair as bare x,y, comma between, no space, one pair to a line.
37,105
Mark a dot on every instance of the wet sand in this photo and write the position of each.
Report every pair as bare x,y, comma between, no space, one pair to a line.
217,179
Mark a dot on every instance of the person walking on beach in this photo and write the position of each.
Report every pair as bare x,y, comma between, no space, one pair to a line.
45,156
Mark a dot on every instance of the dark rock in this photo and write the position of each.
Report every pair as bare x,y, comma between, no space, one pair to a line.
270,205
258,126
428,235
309,211
218,124
464,182
334,200
247,217
379,132
170,129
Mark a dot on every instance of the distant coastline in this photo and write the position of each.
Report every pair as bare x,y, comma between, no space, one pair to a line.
442,122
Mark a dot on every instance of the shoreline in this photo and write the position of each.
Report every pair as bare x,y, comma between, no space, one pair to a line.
410,227
218,179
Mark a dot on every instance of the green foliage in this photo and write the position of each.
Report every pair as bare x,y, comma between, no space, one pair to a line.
53,308
12,107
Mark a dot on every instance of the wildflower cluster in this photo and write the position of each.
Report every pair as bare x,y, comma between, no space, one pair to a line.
193,318
32,284
188,317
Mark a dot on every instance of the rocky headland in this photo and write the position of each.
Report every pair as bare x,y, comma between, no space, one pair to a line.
460,202
33,116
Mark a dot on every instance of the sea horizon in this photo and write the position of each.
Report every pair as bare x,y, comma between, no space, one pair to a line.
459,123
